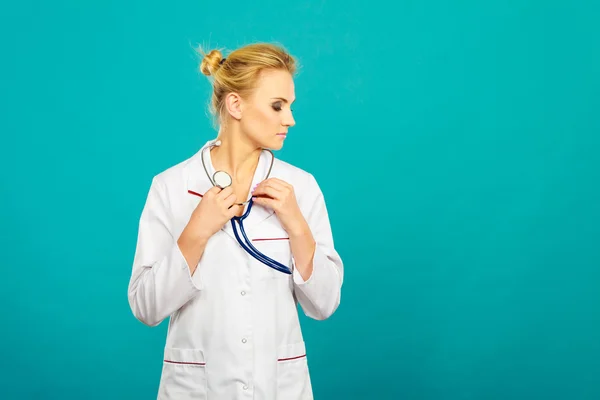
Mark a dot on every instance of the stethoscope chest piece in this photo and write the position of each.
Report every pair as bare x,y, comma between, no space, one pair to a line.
222,179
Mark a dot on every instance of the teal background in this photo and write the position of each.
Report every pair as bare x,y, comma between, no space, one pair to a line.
456,143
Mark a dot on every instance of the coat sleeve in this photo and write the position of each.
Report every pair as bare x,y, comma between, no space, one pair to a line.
319,296
161,281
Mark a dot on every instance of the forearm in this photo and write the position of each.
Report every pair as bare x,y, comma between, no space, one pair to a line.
303,245
192,247
318,275
161,280
160,287
319,295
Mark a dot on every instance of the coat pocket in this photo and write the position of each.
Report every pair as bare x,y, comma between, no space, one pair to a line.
293,379
183,375
276,247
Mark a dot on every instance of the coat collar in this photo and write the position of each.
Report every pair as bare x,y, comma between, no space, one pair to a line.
198,183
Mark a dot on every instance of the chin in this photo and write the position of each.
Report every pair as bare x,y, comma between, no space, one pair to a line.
273,145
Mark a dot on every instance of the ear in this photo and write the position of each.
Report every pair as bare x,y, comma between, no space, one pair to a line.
233,103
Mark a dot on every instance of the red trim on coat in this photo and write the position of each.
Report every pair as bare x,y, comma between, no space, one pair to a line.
184,362
263,239
194,193
292,358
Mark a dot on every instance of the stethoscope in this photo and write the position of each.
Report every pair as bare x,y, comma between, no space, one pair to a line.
222,179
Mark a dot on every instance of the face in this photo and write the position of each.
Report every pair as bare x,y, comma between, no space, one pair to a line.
266,114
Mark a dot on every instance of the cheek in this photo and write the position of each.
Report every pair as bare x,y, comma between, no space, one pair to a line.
262,123
269,118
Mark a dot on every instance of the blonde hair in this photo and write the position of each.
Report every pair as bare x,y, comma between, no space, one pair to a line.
240,70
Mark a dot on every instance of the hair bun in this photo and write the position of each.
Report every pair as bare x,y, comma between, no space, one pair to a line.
211,62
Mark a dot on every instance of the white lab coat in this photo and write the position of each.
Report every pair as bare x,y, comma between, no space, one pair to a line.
233,331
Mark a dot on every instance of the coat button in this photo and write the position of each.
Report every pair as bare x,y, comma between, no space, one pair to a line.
244,340
245,387
243,293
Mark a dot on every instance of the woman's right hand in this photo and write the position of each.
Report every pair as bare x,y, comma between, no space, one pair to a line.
216,208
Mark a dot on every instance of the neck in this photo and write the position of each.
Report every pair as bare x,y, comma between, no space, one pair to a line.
236,155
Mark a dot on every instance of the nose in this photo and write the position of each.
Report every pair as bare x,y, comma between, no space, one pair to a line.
289,120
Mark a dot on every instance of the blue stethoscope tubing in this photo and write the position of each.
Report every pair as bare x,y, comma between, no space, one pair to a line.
250,249
246,244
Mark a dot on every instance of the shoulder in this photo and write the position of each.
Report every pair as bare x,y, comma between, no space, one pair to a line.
296,176
176,172
175,175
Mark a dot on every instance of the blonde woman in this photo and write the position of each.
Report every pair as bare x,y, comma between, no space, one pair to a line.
232,239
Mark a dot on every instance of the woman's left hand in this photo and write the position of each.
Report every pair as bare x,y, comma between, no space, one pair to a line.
279,196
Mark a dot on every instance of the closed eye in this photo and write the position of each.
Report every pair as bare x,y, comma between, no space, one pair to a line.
278,105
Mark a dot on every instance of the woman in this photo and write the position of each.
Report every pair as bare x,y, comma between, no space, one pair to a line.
234,331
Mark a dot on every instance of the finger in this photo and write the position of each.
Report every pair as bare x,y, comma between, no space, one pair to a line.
266,202
223,194
267,191
280,183
279,186
269,183
229,200
271,187
233,210
213,191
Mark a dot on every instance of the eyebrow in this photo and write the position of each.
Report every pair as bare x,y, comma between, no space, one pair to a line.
280,98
